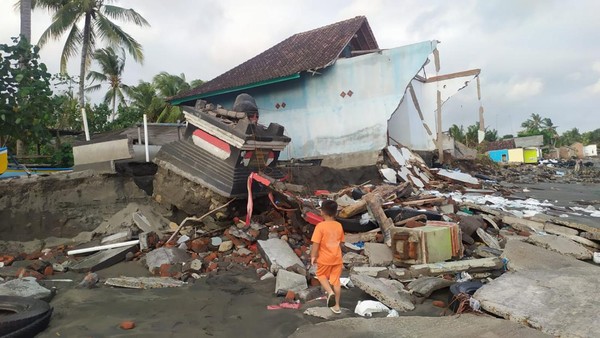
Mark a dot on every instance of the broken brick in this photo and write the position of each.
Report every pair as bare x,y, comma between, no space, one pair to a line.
48,271
290,295
210,257
438,303
127,325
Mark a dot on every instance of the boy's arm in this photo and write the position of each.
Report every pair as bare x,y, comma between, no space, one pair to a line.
314,253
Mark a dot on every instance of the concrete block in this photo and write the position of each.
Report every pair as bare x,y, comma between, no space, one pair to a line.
122,236
160,256
287,281
278,254
144,282
354,259
378,254
325,313
103,259
523,256
24,287
395,299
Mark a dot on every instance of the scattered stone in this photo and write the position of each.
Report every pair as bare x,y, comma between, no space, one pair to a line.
225,246
425,286
353,259
193,266
160,256
89,281
400,301
127,325
486,252
378,254
216,241
438,303
102,259
289,281
24,287
309,294
144,282
267,275
399,273
561,245
325,313
558,302
278,254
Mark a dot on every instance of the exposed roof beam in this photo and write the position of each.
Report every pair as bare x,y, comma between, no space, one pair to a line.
472,72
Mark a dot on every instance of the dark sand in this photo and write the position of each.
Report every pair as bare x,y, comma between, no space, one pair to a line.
229,304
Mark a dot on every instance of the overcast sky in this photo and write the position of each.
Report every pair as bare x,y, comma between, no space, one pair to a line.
536,56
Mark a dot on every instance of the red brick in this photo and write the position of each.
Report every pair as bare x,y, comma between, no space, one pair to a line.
127,325
298,252
210,257
414,224
524,233
211,267
438,303
33,256
7,260
243,260
48,271
22,272
198,245
164,270
290,295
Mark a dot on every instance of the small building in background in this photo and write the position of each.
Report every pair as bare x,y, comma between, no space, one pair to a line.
590,150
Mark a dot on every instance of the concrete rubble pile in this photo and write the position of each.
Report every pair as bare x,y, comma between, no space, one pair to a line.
423,230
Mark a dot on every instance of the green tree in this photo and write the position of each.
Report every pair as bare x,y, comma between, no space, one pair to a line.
168,85
95,16
26,105
111,72
144,100
457,133
508,136
569,137
534,124
537,125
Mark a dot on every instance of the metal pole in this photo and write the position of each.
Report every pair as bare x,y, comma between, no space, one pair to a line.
146,138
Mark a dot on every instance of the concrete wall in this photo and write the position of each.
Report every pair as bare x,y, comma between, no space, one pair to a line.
498,155
590,150
578,149
515,155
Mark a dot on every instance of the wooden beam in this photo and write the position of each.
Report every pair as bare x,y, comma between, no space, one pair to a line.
472,72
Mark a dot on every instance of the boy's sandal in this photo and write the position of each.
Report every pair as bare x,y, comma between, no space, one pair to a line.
337,312
330,300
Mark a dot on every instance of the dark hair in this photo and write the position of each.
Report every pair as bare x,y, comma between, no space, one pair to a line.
329,208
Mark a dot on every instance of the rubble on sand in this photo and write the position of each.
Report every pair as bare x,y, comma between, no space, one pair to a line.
423,230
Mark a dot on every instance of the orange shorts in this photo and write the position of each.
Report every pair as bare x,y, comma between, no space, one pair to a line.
331,272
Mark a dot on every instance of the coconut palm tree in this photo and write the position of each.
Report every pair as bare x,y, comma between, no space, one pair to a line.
169,85
87,22
143,98
111,72
535,123
25,9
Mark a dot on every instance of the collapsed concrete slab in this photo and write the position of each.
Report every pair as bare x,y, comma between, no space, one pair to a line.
325,313
279,255
289,281
144,282
558,302
463,326
102,259
523,256
400,301
371,271
561,245
425,286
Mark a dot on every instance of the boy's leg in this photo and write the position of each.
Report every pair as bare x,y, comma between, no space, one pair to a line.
338,293
323,273
334,279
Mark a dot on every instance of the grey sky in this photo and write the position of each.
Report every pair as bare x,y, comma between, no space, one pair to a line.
536,56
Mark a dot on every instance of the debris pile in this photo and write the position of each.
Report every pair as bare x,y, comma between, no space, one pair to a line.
424,230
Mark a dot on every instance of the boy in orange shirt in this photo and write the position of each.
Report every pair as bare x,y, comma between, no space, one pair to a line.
327,252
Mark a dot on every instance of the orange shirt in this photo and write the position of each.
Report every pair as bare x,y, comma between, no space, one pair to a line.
329,235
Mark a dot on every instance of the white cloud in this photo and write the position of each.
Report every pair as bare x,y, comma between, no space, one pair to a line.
594,88
596,66
524,89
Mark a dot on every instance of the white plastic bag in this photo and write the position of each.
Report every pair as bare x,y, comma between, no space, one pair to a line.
366,308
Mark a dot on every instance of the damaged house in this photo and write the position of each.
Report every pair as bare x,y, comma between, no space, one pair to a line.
342,98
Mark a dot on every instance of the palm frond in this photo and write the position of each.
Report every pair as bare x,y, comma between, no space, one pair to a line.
71,47
124,14
93,88
114,35
96,76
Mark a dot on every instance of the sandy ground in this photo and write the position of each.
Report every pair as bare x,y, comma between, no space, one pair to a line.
228,304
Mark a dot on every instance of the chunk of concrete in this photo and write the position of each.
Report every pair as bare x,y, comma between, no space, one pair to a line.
278,254
371,271
144,282
122,236
488,239
379,254
160,256
558,302
354,259
225,246
523,256
559,229
425,286
289,281
480,264
523,224
561,245
395,299
24,287
325,313
103,259
462,326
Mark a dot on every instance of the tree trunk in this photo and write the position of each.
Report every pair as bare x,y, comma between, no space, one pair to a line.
114,110
84,55
26,33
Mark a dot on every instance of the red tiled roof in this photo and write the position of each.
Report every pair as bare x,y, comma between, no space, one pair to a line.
311,50
499,145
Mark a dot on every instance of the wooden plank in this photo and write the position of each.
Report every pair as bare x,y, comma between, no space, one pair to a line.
374,202
471,72
435,200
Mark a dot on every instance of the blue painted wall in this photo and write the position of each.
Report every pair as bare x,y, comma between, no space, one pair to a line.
496,155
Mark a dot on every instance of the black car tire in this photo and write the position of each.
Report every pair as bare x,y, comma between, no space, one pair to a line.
23,315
